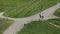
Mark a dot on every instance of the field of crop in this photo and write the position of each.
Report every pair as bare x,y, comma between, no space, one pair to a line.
41,27
57,12
25,8
4,24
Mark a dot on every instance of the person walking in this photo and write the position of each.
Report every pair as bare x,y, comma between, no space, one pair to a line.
41,16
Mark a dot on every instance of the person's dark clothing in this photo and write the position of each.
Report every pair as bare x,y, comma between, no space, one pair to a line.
41,16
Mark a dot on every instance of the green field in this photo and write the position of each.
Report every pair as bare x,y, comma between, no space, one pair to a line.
57,12
4,24
55,21
58,1
41,27
25,8
1,7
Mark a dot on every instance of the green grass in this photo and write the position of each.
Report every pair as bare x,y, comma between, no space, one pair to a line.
40,27
55,21
4,24
25,8
57,12
1,7
58,1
